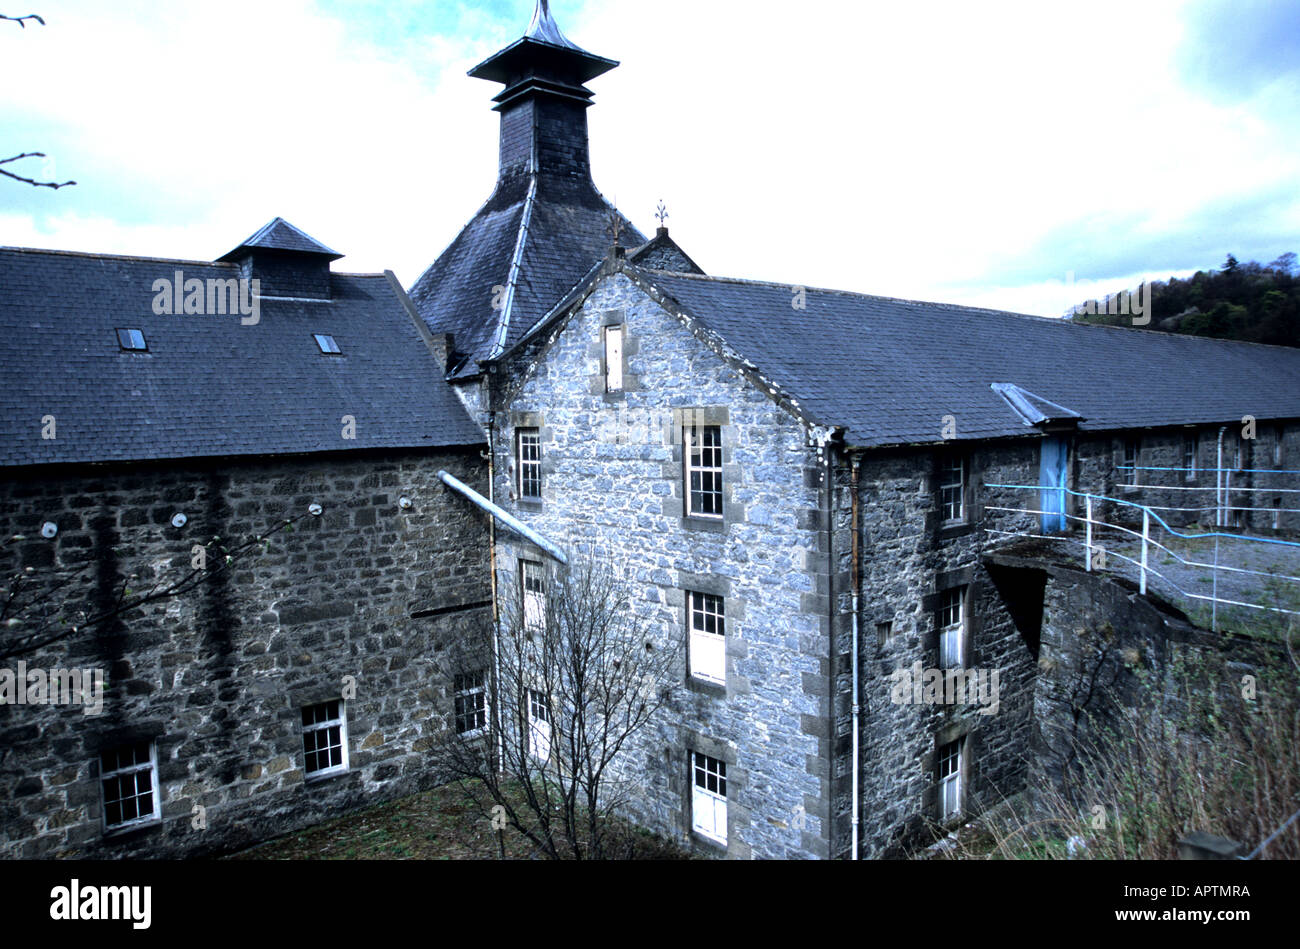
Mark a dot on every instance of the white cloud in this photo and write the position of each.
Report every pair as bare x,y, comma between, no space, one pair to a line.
904,149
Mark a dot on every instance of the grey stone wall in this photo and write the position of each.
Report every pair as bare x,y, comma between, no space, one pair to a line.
612,489
1098,638
217,678
908,558
1185,500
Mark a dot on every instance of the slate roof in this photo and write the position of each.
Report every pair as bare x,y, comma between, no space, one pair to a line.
545,44
545,225
662,253
208,386
889,370
560,233
279,234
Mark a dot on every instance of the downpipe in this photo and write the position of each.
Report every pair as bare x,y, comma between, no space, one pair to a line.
492,570
856,586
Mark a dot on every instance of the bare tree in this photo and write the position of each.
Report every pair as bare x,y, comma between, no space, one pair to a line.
22,22
571,678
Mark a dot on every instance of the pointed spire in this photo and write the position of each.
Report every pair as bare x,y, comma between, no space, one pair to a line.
545,50
545,29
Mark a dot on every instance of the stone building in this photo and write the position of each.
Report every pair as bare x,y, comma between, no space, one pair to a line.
710,438
305,681
803,487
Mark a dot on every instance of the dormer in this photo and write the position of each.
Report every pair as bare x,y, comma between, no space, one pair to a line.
286,261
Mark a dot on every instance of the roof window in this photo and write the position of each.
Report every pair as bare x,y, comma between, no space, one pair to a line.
132,341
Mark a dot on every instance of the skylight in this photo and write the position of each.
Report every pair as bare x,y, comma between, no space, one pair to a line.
132,341
327,345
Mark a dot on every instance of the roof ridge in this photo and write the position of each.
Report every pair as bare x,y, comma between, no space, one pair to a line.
224,264
502,330
110,256
960,307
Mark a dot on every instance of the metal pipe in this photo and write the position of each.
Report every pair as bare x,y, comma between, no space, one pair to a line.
827,456
503,516
1146,534
492,524
1218,481
492,573
856,584
1087,554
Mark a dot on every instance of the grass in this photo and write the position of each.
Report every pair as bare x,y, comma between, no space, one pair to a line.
1189,748
439,824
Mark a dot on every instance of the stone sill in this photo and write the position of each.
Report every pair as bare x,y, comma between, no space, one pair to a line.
950,531
717,690
128,834
708,842
712,525
315,779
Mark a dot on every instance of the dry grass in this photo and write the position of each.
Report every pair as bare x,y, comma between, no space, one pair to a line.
440,824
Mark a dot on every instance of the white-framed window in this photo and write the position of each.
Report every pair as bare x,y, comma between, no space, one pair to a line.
532,585
708,644
539,725
1129,468
1239,455
952,489
613,359
950,779
325,738
703,452
470,690
709,796
529,455
128,782
1190,452
952,628
1277,514
1279,435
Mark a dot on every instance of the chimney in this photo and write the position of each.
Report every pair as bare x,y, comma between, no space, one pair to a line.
545,100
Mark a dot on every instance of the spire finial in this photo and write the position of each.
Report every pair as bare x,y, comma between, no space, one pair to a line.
661,213
544,27
615,228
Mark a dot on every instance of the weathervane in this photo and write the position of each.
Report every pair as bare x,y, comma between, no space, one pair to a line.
615,228
661,213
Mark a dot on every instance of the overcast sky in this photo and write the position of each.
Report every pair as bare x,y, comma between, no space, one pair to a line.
971,152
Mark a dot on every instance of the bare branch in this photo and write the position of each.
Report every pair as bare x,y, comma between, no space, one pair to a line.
571,687
29,181
19,19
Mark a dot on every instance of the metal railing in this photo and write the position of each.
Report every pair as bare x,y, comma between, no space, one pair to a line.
1096,554
1223,488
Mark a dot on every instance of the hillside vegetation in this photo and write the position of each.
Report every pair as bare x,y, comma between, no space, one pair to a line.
1239,301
